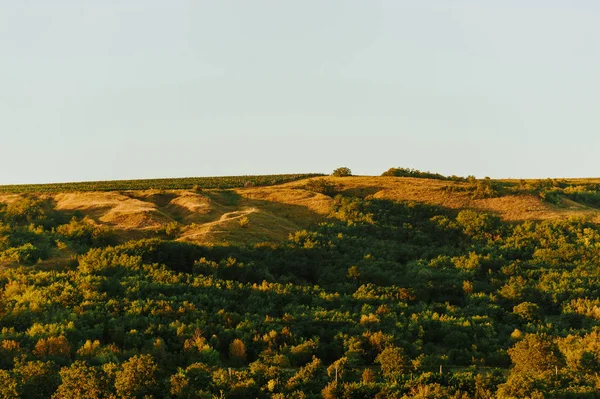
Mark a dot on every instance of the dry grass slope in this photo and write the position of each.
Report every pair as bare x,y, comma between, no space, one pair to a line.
272,213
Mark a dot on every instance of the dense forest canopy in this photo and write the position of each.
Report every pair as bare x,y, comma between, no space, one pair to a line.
383,299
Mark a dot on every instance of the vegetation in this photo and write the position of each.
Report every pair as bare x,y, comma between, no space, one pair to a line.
385,299
408,172
195,183
342,172
321,186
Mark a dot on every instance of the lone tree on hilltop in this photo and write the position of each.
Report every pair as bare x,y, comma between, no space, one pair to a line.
342,172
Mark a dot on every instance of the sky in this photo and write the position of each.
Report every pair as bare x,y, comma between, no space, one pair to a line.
123,89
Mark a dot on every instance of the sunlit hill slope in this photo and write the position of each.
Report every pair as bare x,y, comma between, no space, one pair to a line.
249,215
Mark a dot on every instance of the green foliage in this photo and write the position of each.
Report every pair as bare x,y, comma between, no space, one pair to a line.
551,196
393,363
29,211
535,354
80,380
237,351
368,304
172,230
36,379
187,183
8,386
408,172
483,189
244,222
137,377
342,172
555,191
84,234
321,186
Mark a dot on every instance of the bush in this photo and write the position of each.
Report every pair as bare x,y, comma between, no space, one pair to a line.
484,189
321,186
342,172
25,254
550,196
84,233
408,172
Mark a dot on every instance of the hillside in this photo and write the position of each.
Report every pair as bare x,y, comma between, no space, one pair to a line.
318,287
212,216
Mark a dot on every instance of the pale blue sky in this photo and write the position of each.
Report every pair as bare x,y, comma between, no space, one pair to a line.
117,89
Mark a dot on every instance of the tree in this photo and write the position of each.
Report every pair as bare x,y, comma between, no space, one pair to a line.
527,310
307,377
189,382
368,376
342,172
337,369
536,361
353,273
36,379
8,386
53,347
136,377
535,354
392,362
237,351
80,380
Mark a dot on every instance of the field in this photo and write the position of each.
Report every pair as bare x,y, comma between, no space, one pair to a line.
184,183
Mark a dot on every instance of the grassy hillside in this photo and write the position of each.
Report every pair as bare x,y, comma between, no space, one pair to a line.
212,215
323,287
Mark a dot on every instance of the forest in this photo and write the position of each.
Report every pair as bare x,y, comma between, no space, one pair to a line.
383,299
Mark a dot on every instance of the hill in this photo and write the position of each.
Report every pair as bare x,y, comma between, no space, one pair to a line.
321,286
212,215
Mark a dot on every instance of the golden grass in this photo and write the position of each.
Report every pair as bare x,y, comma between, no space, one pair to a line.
8,198
213,216
114,209
436,192
261,227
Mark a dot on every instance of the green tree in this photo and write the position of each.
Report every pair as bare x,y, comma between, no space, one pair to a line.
342,172
527,311
393,363
535,354
36,379
8,386
353,273
237,351
82,381
137,377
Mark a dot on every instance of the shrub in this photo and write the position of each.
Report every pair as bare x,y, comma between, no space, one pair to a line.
408,172
321,186
85,233
172,229
550,196
342,172
484,189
